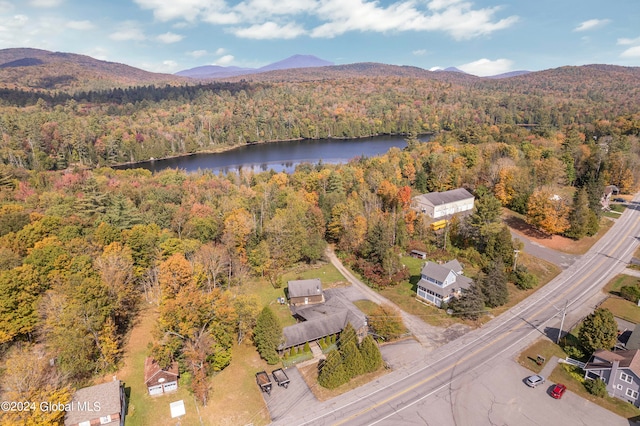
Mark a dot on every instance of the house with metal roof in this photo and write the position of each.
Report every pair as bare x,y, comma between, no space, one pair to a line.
439,283
443,204
620,370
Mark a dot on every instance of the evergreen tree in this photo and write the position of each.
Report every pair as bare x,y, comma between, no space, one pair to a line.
267,335
582,220
332,373
470,304
347,335
370,354
598,331
353,362
494,285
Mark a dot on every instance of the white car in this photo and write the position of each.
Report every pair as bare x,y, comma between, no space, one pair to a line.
535,380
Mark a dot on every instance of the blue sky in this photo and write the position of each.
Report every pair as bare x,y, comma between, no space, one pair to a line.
482,37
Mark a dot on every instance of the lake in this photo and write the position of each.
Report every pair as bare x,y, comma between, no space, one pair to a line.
279,156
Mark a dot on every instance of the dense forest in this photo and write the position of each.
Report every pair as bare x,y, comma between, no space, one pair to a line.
82,247
97,128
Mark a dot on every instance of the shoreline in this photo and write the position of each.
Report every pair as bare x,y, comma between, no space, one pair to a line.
231,148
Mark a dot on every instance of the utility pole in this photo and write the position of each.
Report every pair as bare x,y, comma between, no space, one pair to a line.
564,314
515,259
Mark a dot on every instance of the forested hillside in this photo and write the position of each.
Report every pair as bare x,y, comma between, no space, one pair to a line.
82,246
108,127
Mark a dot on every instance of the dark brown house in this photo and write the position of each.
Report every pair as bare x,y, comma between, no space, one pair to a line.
97,405
160,380
305,292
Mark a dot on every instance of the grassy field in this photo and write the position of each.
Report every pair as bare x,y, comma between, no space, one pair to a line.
234,397
404,294
620,307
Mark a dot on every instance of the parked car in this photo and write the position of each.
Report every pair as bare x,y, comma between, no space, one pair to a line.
558,391
619,200
535,380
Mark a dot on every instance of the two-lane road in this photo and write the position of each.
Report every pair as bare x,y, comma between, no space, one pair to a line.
398,398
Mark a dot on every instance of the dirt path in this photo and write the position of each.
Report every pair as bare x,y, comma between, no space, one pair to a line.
429,336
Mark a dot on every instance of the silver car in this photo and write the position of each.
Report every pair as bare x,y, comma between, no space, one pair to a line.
535,380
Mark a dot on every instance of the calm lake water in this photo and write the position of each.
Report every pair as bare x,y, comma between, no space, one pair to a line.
280,156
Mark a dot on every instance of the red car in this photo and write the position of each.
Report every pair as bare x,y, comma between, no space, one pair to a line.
558,391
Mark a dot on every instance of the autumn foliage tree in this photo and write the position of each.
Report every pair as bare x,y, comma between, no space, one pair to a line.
548,212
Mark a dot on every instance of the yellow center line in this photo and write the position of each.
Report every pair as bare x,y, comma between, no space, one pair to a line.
487,346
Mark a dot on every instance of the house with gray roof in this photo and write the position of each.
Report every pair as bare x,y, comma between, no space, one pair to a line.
319,320
305,292
443,204
439,283
102,404
620,370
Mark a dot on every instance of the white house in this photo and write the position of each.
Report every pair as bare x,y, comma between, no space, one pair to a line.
442,204
439,283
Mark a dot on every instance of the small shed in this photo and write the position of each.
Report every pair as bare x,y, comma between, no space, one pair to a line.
158,380
418,254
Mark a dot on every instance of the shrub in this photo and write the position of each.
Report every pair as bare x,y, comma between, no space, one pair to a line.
574,352
630,292
524,280
307,348
596,387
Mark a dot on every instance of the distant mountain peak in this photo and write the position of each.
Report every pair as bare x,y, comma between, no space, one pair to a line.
214,71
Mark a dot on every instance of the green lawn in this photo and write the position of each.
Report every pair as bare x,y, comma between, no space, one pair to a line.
234,397
621,308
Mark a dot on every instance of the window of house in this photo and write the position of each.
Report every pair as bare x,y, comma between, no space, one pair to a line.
619,387
105,419
625,377
632,394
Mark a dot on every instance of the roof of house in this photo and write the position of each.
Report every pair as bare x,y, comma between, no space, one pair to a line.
604,359
304,288
634,339
153,372
461,282
440,272
322,319
106,394
438,198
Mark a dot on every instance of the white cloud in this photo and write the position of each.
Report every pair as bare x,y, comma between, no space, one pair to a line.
591,24
225,60
189,10
269,19
485,67
419,52
221,51
80,25
197,53
436,68
632,52
270,30
45,3
6,7
169,38
628,41
98,53
128,34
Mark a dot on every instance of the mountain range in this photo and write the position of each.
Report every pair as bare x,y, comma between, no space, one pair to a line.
216,71
59,72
